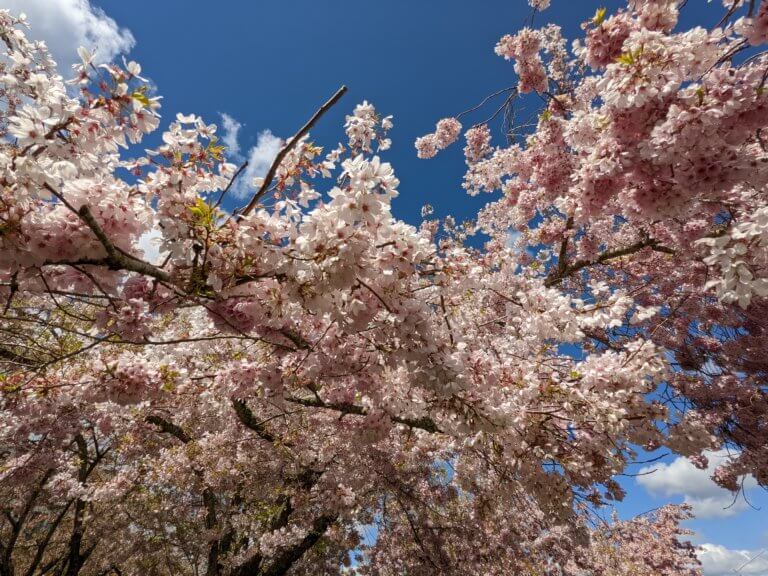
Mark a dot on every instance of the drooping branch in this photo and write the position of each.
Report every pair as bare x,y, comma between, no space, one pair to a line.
115,257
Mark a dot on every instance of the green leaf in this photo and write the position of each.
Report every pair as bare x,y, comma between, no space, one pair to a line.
203,214
139,96
599,17
215,151
629,58
700,93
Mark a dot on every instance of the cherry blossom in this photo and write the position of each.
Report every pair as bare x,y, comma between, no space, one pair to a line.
645,174
309,364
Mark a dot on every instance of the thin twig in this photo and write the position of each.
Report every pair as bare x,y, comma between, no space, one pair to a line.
422,423
379,298
243,166
485,100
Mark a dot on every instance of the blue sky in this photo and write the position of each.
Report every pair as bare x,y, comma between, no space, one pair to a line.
269,65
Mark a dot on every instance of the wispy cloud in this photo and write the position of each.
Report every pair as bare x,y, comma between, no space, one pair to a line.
512,237
231,129
680,477
260,158
65,25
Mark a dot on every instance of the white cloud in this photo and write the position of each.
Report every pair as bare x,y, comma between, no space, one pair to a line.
231,131
512,237
65,25
680,477
718,560
260,158
149,242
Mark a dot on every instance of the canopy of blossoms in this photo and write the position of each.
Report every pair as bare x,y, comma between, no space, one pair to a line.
308,365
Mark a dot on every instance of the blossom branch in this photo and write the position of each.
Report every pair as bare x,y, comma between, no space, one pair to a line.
209,498
288,557
248,420
116,257
424,423
169,428
559,274
235,176
287,148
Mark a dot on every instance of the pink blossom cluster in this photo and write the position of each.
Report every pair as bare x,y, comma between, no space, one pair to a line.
651,167
524,48
605,41
446,133
478,143
363,126
755,29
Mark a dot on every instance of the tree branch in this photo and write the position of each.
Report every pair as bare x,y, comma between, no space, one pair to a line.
287,558
559,274
43,546
287,148
209,497
169,428
248,420
75,557
115,257
243,166
18,523
424,423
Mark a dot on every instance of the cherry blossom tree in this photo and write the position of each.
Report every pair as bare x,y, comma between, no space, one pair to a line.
644,182
285,375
